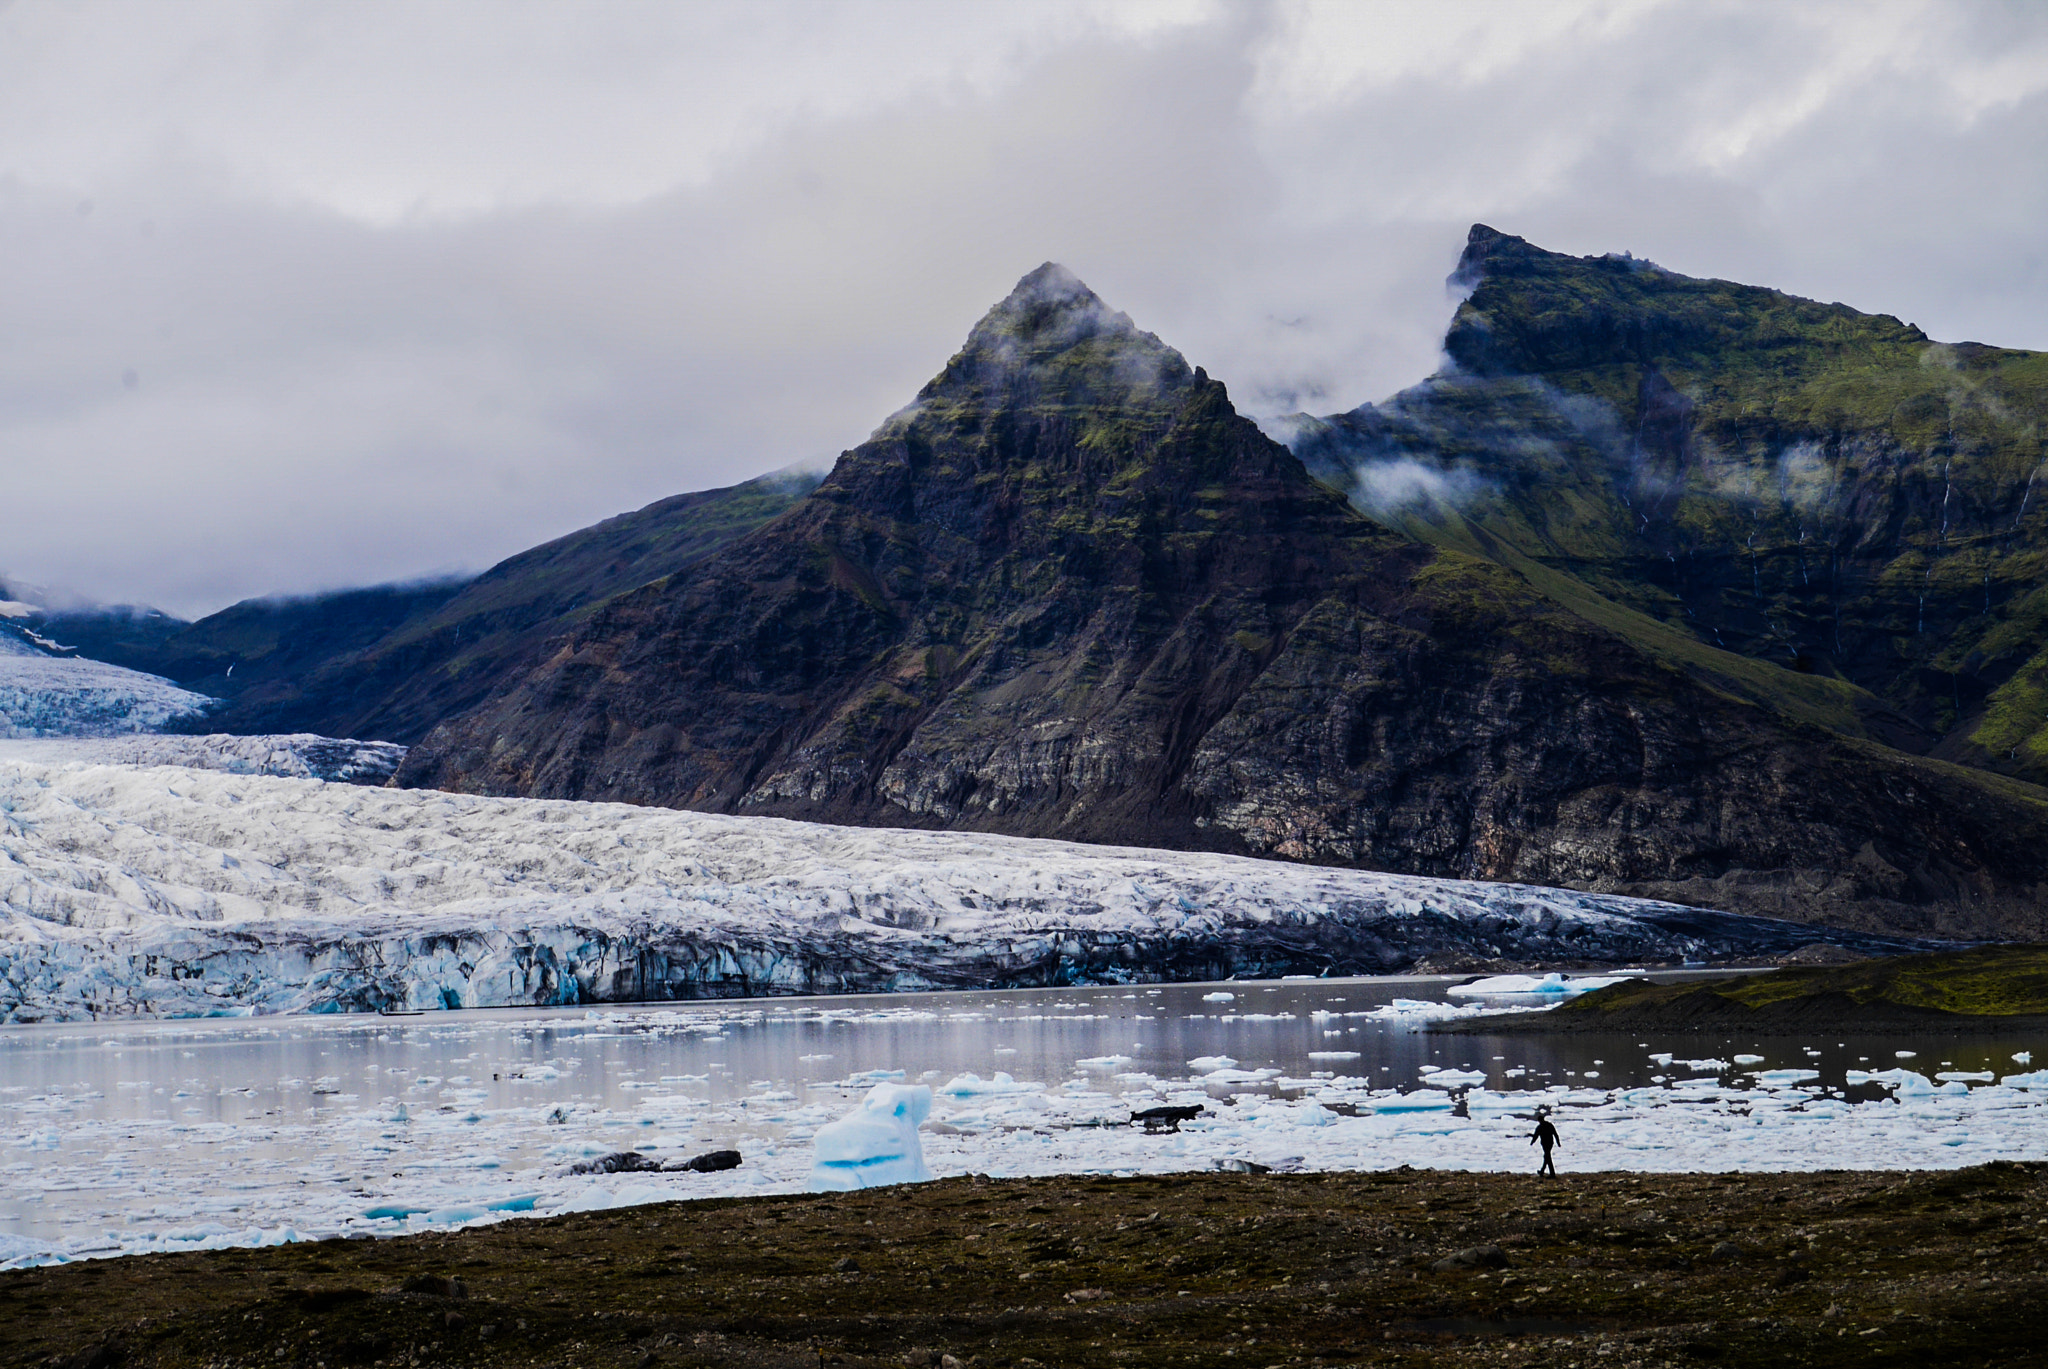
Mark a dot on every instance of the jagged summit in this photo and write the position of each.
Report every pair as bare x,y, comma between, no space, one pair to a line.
1052,341
1482,245
1048,290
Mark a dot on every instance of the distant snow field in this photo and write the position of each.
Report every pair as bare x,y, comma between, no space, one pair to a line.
138,889
68,696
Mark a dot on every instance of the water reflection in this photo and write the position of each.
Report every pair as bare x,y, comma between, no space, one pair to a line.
101,1124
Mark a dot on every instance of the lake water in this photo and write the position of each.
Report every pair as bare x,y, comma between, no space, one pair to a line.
194,1134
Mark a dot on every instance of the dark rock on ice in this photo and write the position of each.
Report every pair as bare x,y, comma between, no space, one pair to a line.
710,1162
619,1162
633,1162
1164,1118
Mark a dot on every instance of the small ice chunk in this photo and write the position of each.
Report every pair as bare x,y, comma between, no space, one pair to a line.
1104,1062
1219,998
1748,1060
1966,1076
1779,1079
1333,1055
1904,1055
1908,1084
1206,1064
970,1085
876,1143
1451,1079
2023,1057
1422,1100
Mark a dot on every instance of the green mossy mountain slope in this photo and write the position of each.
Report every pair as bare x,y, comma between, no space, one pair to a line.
1070,592
1827,492
1990,987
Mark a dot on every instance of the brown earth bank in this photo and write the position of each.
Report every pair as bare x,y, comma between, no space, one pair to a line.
1391,1268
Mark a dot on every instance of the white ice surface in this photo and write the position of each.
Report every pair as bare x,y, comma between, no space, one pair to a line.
137,890
60,696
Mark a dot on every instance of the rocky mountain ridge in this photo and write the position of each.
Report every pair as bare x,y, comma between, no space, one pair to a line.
390,661
1070,592
1790,482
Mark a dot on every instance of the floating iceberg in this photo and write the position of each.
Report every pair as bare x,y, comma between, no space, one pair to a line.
971,1085
876,1143
1549,985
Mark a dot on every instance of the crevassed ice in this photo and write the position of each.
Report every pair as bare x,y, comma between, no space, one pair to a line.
137,889
69,696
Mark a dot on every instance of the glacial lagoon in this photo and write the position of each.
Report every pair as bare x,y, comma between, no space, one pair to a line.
153,1135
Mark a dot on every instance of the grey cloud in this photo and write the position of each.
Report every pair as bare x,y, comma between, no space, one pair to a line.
327,394
1390,487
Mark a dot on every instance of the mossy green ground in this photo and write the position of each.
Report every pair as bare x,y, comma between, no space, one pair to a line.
1987,985
1614,1270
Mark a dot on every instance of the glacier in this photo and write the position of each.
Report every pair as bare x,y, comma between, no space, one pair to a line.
202,889
295,755
48,695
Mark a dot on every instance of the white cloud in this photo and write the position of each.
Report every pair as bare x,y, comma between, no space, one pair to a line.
405,286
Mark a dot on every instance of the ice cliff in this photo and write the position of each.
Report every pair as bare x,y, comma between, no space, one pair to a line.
160,890
44,695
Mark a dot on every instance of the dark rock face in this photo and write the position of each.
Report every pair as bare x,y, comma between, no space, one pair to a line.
1070,592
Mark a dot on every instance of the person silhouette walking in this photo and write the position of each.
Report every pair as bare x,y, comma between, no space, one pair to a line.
1546,1135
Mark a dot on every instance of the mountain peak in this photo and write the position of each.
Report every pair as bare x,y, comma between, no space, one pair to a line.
1053,340
1049,308
1485,246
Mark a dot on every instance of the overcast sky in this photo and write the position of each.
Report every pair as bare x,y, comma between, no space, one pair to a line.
308,294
